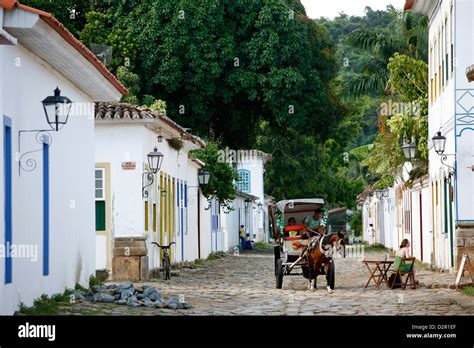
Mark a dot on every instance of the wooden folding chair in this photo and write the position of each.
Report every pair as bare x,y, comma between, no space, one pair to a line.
397,266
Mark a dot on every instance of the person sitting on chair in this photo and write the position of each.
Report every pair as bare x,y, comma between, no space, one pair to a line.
291,222
314,223
404,252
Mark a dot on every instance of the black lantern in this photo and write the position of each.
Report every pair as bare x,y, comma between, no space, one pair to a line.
155,158
248,201
203,177
379,194
409,150
56,109
439,143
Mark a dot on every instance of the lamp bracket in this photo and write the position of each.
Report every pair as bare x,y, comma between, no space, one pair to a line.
147,180
444,158
26,163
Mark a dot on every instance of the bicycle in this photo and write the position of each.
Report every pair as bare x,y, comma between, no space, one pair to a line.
165,260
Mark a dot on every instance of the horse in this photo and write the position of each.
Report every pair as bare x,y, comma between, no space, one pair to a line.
319,253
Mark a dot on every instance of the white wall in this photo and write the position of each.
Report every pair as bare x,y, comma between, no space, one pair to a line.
117,142
255,165
72,247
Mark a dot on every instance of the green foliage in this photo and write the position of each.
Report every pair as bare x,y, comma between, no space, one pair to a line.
262,246
216,255
223,175
175,143
94,280
408,83
153,104
132,82
468,290
356,223
247,72
376,247
79,287
230,61
406,34
46,305
301,167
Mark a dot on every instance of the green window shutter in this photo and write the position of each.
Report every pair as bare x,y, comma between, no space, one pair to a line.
100,215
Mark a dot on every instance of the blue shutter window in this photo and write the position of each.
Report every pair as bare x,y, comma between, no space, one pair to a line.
243,184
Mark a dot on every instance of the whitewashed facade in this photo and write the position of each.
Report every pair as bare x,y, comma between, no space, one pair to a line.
251,170
253,214
437,214
124,135
47,204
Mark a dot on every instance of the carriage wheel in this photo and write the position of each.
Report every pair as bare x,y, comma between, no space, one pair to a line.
331,276
276,252
279,276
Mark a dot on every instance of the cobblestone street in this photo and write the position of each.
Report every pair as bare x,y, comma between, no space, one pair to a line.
245,285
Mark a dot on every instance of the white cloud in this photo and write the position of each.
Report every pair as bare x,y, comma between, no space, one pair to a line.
331,8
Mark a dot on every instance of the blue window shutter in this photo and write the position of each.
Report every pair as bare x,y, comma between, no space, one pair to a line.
45,209
7,161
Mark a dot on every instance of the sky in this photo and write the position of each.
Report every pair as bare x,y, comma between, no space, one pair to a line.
331,8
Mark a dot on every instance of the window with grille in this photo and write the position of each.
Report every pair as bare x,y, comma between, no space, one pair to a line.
243,184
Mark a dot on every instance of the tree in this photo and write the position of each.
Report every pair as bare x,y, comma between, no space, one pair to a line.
408,82
222,67
406,36
223,175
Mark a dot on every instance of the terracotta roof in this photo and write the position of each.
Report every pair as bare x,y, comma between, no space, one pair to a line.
408,4
70,38
120,111
336,210
363,195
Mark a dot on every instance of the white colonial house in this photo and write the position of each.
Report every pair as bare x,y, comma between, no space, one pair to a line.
249,209
47,239
251,171
437,214
166,207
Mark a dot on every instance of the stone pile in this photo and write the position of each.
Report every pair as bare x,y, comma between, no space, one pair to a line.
128,294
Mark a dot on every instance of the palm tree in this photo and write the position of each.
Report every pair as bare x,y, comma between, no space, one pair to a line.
407,35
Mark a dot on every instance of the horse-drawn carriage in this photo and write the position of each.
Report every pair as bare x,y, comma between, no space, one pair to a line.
312,256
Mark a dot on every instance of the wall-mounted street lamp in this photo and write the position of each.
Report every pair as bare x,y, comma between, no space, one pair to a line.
247,203
159,138
203,177
155,159
439,145
381,194
56,109
409,150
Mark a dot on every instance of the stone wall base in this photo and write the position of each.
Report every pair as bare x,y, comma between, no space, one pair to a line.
464,242
130,260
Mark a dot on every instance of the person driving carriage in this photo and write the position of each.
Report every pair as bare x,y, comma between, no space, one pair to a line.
314,223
